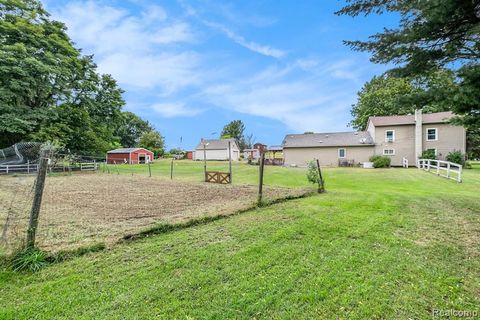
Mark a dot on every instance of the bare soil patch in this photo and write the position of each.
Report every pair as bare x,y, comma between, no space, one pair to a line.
81,210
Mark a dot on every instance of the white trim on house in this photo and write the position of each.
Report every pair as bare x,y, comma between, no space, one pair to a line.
436,134
393,135
344,153
386,152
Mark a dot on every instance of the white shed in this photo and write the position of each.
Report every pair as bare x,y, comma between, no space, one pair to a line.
217,149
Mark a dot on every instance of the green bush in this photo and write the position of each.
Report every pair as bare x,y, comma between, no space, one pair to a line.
314,177
32,259
380,161
456,157
428,154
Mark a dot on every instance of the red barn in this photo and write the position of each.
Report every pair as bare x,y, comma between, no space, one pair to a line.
129,156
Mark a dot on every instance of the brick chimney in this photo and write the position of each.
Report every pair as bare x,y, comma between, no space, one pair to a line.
418,133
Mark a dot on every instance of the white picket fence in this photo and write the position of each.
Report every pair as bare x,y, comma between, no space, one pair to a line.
33,168
442,168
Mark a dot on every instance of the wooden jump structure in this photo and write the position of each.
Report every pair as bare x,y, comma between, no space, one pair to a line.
218,176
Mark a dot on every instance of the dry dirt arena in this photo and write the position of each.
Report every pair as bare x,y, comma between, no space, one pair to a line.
85,209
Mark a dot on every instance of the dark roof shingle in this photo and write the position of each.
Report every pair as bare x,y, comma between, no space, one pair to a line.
216,144
437,117
124,150
335,139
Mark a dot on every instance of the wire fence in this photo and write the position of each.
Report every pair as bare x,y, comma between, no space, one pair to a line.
83,208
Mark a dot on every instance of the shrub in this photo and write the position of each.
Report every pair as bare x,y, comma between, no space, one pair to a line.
314,177
31,259
428,154
380,161
312,172
456,157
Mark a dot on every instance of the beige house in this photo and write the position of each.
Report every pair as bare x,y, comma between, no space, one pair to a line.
217,149
398,137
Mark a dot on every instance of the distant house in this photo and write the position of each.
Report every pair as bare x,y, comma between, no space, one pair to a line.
216,149
129,156
254,153
398,137
329,148
260,146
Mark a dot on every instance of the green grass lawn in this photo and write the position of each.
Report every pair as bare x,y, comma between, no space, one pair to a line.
193,171
383,243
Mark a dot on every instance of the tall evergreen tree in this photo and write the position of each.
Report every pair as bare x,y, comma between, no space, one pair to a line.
431,35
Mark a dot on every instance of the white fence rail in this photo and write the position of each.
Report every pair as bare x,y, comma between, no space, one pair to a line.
33,168
441,168
18,168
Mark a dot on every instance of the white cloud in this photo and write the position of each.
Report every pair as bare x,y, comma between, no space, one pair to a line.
301,100
164,73
169,110
253,46
136,50
151,55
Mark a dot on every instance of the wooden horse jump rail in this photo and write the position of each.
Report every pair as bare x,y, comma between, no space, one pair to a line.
218,177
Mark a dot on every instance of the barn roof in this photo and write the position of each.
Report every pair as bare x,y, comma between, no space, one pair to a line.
126,150
216,144
335,139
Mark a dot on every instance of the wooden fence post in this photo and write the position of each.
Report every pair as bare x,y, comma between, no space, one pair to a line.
171,170
321,186
230,160
115,164
149,170
260,178
37,198
205,160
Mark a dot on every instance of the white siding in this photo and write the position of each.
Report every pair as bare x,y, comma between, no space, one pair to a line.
216,154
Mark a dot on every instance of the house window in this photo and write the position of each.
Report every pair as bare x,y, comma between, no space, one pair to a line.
388,152
432,134
342,153
390,135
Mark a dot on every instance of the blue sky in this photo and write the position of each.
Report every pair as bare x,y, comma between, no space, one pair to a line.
189,67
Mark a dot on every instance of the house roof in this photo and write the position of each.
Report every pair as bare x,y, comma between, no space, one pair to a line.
124,150
335,139
127,150
275,148
216,144
437,117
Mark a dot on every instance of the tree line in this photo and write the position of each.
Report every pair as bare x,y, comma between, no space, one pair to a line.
49,91
435,52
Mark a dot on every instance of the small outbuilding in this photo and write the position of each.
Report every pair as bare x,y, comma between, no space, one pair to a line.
129,156
255,152
217,149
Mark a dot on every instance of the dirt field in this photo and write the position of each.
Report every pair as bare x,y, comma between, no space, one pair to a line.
81,210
